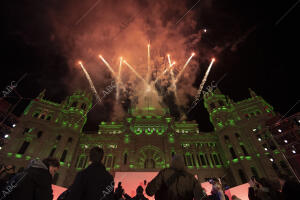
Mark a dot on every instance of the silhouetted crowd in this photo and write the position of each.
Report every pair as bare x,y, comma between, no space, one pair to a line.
96,183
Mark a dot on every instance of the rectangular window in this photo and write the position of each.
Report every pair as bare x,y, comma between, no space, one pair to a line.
114,160
254,172
220,159
26,130
125,158
202,159
23,147
86,163
244,150
212,160
52,152
104,161
80,162
232,153
194,163
216,159
188,160
63,156
199,161
109,161
207,159
242,176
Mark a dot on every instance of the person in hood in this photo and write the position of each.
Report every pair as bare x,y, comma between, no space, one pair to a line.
175,183
94,182
139,194
36,182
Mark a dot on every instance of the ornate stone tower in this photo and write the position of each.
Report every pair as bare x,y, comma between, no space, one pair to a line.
234,124
49,129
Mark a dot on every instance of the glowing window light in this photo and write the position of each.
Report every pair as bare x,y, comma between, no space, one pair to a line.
279,130
254,129
14,125
294,151
271,159
285,141
259,139
266,149
6,136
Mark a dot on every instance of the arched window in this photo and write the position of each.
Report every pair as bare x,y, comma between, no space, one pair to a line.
226,138
42,116
74,104
125,158
70,140
173,154
149,164
36,115
83,106
48,118
39,134
58,137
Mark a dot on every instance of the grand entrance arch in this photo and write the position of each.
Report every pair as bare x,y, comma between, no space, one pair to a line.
150,157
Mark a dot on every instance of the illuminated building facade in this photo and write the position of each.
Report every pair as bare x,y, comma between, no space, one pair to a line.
286,136
8,121
146,139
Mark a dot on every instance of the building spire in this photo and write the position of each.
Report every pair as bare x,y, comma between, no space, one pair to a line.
252,93
217,90
42,94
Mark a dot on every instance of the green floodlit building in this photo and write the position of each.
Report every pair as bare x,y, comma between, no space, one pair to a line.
147,138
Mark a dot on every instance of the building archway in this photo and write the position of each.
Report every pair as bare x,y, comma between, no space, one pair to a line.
150,157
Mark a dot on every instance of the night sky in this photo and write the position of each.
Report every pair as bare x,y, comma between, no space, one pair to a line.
252,47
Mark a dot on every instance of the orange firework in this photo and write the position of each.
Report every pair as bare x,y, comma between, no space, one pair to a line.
108,66
205,76
135,72
90,82
187,62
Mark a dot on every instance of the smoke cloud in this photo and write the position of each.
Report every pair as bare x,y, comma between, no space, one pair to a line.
124,28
